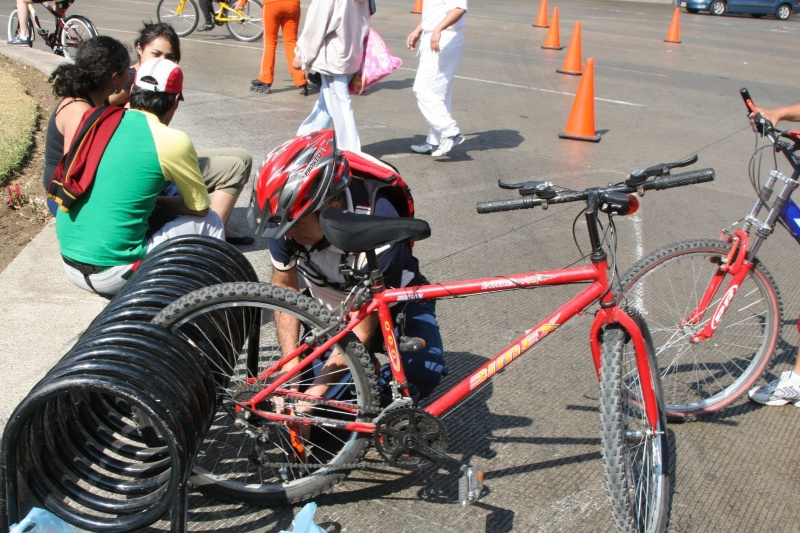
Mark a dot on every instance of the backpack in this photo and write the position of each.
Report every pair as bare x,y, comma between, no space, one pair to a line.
76,170
378,176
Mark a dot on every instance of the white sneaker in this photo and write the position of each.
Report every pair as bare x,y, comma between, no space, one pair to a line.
779,392
448,143
424,148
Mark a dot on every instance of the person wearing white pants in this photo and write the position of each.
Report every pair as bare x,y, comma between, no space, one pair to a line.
441,45
332,44
334,105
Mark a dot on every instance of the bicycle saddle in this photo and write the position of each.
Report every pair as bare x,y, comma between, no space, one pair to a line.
351,232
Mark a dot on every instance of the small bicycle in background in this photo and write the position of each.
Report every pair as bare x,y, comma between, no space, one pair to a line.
714,310
70,31
243,18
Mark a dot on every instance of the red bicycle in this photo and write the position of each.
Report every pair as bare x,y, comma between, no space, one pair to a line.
273,444
69,33
713,308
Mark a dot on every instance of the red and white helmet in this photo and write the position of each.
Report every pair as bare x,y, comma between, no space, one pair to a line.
296,179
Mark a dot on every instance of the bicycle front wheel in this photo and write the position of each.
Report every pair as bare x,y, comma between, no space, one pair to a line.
636,458
701,378
76,30
183,15
13,27
250,27
250,459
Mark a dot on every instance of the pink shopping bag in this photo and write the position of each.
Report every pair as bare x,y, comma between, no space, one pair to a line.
377,64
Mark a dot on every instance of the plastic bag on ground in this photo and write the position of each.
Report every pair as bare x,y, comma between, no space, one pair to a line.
41,521
304,521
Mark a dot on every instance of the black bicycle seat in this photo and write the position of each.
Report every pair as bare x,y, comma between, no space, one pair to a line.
351,232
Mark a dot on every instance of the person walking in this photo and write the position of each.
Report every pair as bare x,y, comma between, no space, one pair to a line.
332,44
441,45
283,15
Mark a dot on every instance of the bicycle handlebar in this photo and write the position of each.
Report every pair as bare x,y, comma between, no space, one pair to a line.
658,184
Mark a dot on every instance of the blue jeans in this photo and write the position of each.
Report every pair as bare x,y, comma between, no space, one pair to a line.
425,368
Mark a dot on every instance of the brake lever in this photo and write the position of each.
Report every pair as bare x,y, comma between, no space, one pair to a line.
637,177
540,189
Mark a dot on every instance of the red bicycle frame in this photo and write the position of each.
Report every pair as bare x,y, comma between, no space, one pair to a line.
598,289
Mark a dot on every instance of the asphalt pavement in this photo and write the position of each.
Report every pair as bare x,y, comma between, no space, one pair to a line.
535,430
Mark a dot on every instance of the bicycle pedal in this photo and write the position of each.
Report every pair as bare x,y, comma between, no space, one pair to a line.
470,486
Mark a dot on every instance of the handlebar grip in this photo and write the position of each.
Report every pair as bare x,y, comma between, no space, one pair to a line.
686,178
747,100
509,204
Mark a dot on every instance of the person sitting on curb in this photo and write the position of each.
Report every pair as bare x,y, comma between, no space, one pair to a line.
99,71
225,170
785,389
103,236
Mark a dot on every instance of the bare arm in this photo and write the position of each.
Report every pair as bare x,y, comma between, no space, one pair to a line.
288,327
453,16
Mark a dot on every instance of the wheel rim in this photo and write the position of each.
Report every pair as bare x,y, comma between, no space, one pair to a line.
230,457
184,22
718,8
701,377
76,31
783,12
249,28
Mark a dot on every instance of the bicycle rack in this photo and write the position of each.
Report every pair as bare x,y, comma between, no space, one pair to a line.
107,439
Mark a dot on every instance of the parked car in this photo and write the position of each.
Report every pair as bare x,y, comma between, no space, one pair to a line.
782,9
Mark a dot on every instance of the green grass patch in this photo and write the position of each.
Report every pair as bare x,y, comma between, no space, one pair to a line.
19,115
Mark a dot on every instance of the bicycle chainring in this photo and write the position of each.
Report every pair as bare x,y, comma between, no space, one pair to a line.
393,432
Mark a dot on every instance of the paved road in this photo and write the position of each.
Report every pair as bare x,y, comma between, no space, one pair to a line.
535,431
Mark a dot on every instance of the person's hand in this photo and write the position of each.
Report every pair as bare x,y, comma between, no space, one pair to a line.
297,64
413,38
435,36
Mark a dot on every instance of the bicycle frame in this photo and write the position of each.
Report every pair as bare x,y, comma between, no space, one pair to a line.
596,274
51,39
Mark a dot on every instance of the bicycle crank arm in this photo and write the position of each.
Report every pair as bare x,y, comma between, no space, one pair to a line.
412,444
470,485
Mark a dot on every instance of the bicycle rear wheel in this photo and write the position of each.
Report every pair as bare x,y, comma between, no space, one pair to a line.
251,27
76,30
250,459
636,460
700,378
183,15
13,27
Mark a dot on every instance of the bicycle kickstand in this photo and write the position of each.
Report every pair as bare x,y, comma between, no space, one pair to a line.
470,484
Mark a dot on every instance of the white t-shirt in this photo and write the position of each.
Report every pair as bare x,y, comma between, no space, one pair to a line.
434,11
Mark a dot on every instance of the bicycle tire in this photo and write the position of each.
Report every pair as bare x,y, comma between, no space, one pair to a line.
184,22
225,467
701,378
250,28
77,29
13,27
636,463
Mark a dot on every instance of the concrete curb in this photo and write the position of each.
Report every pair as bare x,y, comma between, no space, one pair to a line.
41,311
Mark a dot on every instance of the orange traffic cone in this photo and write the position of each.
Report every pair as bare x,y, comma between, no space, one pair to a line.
572,61
580,125
417,7
541,19
674,33
552,41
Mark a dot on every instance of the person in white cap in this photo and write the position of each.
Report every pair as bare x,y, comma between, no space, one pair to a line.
105,233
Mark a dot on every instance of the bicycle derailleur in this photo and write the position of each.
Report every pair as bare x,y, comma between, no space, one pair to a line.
408,437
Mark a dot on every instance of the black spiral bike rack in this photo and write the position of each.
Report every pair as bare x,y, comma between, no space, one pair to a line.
107,439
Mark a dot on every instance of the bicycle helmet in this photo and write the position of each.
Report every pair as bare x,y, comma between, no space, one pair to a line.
297,178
